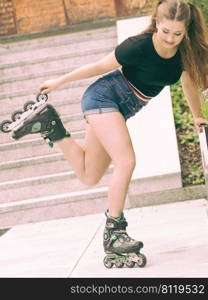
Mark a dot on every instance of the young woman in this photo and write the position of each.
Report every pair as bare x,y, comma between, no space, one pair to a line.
173,47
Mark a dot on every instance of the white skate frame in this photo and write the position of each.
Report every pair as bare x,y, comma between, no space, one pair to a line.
203,138
27,115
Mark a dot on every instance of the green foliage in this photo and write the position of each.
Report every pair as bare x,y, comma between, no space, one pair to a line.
203,5
196,175
204,104
204,110
188,140
183,117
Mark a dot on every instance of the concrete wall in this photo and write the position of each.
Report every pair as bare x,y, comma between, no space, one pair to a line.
7,19
88,10
33,16
26,16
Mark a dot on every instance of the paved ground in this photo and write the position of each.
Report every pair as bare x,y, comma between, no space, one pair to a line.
175,237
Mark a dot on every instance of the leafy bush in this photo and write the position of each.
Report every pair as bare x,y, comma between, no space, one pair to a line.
188,140
203,5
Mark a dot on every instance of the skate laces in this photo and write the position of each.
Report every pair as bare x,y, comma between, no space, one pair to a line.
123,235
45,136
118,226
47,139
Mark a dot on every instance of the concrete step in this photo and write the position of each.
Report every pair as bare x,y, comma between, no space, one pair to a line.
58,40
61,97
40,186
37,183
38,166
53,207
16,90
31,147
63,107
37,67
30,84
28,55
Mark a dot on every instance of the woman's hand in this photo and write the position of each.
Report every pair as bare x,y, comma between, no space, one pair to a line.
198,122
49,85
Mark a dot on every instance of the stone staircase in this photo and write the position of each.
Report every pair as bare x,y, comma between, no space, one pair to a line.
36,183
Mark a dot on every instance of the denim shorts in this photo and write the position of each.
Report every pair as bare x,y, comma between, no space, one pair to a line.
111,93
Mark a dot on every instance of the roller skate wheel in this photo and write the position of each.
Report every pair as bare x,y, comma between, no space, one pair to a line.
42,97
142,260
5,126
119,263
129,263
16,115
107,262
28,105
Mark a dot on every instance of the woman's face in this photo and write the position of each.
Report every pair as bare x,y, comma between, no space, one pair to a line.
170,33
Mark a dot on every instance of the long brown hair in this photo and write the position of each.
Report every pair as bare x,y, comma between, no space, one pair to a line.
194,46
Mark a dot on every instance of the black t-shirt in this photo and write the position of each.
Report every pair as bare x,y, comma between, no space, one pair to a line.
144,67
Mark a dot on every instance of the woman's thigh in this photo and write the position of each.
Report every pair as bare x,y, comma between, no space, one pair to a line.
97,159
112,133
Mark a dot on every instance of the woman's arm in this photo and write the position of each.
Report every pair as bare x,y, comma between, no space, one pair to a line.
104,65
192,96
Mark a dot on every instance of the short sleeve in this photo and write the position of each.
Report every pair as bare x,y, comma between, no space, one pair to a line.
127,52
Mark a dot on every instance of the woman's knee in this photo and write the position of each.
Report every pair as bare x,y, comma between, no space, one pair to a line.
127,163
90,180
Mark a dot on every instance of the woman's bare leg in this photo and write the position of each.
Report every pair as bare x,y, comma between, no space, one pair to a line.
112,132
90,161
107,138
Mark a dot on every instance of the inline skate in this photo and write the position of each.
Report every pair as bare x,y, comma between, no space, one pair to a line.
37,117
120,248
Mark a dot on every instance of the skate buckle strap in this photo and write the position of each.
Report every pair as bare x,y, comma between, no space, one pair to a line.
48,141
67,135
119,234
50,144
122,225
113,238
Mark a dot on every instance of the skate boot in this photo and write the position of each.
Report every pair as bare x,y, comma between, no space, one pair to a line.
36,117
46,122
120,248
